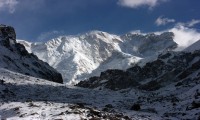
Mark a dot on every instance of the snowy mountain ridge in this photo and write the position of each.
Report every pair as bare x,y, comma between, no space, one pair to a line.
83,56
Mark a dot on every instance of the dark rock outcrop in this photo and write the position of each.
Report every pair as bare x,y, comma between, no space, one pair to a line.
15,57
112,79
136,107
7,32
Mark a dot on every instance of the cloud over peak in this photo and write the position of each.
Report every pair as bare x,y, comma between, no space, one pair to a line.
185,36
8,5
139,3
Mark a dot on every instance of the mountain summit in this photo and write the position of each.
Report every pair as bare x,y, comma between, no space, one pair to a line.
82,56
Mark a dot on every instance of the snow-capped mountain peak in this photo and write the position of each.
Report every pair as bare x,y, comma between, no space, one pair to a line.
81,56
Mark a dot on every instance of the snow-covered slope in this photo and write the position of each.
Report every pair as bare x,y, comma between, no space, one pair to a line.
79,57
27,98
13,56
193,47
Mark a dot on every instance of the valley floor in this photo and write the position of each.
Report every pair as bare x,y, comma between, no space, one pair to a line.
29,98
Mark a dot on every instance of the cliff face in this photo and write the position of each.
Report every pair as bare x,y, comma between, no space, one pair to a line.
7,35
14,57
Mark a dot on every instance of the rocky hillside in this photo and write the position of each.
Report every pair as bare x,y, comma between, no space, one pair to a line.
27,98
14,57
86,55
170,67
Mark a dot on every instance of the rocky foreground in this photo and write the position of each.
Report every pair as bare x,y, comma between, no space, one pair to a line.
24,97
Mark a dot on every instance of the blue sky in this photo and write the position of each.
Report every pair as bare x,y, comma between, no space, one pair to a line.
40,20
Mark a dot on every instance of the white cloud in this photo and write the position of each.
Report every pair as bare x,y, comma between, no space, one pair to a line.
163,21
8,5
193,23
185,36
139,3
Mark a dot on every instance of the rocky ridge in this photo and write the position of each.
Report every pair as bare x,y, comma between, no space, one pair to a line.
14,57
169,67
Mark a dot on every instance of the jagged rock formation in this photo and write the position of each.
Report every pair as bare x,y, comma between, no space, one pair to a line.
169,68
83,56
14,56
